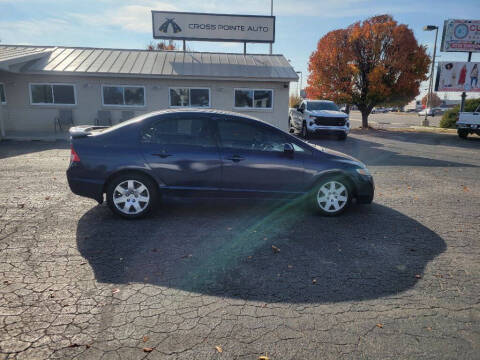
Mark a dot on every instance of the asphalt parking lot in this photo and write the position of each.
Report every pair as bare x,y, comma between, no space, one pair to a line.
198,280
393,120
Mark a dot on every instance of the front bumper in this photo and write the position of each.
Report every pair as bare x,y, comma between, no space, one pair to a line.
364,189
328,129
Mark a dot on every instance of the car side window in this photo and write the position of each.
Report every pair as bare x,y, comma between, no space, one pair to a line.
180,131
235,134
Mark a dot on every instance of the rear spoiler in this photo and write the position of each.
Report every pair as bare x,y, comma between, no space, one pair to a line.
84,130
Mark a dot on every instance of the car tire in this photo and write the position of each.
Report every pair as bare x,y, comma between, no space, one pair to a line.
462,133
132,195
342,136
305,133
331,197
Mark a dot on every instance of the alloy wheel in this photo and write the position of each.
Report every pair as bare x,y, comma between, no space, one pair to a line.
332,196
131,197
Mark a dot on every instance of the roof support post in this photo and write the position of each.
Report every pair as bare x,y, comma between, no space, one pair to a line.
184,46
245,48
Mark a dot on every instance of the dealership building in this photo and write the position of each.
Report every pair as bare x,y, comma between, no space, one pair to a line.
44,89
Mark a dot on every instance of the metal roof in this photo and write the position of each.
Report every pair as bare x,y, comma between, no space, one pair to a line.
169,64
10,55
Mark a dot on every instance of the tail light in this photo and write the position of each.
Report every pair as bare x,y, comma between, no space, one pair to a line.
73,155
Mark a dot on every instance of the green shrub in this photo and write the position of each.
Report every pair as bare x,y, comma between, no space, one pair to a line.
449,118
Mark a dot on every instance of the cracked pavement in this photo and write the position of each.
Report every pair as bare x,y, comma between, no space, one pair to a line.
395,279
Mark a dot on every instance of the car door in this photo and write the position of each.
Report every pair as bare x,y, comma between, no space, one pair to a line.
254,160
182,151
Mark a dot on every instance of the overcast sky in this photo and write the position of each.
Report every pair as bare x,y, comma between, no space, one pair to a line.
300,23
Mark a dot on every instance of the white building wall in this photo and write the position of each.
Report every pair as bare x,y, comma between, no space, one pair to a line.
21,116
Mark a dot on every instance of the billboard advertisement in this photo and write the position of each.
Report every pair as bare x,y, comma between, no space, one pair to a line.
457,76
213,27
461,35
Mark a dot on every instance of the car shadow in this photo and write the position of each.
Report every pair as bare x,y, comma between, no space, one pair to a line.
226,249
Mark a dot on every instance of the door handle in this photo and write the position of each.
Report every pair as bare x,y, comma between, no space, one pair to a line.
235,158
163,155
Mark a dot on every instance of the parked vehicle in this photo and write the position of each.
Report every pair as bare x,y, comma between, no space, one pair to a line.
208,153
438,111
428,111
379,110
468,123
318,116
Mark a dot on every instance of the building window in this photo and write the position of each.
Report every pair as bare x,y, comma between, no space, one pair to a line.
123,95
3,97
46,94
253,98
189,97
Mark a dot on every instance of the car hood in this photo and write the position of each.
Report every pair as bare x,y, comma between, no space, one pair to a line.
329,113
337,155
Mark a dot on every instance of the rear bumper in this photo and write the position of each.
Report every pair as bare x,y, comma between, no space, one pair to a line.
89,188
468,126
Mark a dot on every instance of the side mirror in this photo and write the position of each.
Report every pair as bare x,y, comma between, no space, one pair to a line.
288,149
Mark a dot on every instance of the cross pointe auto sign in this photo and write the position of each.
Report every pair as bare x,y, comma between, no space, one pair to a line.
461,35
213,27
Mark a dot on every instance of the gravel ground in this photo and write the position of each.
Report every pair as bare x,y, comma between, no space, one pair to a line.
199,280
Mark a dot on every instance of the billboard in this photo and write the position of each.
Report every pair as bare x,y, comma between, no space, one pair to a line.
461,35
457,76
213,27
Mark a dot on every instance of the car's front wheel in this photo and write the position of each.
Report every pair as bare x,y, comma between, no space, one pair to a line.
132,195
331,196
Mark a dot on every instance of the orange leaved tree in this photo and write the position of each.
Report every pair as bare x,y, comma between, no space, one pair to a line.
161,45
377,61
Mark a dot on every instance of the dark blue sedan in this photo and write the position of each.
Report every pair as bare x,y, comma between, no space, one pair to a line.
208,154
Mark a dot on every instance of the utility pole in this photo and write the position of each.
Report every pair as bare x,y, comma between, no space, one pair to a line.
299,85
430,83
271,14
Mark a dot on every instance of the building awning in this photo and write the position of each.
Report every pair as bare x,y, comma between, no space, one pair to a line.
157,64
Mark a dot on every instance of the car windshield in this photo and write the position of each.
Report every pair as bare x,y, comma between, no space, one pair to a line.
321,105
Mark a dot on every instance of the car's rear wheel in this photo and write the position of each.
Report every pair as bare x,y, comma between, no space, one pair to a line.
462,133
131,195
331,196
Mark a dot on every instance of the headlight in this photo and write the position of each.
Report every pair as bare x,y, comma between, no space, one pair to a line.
363,171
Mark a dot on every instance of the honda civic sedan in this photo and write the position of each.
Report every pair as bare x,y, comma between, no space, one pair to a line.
208,153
